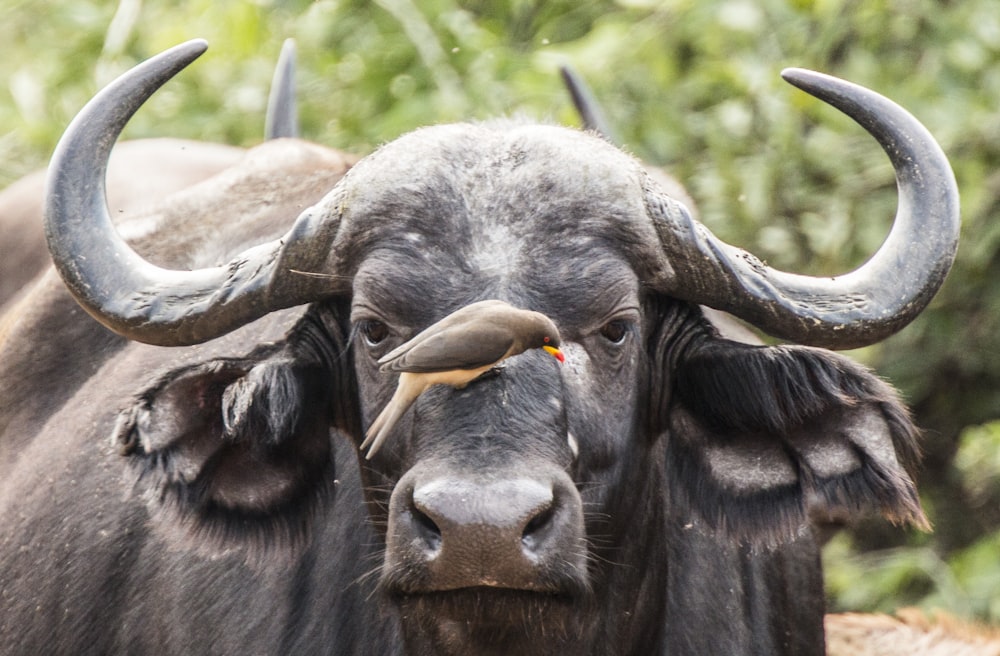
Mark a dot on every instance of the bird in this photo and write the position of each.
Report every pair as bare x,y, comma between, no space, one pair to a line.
455,351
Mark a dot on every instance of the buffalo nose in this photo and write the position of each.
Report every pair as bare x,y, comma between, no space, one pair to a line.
513,510
504,533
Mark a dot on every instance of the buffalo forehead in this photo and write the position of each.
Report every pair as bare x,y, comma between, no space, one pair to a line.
502,209
496,145
457,180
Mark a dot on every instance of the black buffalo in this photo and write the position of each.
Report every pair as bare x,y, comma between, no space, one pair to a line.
650,496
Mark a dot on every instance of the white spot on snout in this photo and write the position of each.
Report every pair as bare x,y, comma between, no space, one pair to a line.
574,447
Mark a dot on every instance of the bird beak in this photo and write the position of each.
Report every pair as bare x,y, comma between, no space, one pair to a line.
554,352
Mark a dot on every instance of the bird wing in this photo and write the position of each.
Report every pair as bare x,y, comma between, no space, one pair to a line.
457,347
480,311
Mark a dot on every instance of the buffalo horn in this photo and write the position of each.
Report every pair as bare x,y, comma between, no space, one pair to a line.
118,287
848,311
586,105
282,119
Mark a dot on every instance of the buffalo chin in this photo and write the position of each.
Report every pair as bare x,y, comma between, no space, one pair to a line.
484,620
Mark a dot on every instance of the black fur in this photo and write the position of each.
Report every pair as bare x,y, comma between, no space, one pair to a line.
202,437
681,467
773,408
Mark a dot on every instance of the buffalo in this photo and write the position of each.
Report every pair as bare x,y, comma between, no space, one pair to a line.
182,473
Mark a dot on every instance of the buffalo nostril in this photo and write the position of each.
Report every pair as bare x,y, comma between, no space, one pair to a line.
426,530
538,529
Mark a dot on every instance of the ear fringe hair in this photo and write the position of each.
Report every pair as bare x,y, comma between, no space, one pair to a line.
890,492
735,388
185,513
728,395
265,402
272,411
775,515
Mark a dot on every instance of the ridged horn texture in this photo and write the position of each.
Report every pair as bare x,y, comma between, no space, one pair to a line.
133,297
848,311
282,119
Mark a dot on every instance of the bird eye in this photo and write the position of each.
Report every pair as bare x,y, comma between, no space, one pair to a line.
615,331
374,332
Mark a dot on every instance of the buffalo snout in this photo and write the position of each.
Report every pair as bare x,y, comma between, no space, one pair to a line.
520,532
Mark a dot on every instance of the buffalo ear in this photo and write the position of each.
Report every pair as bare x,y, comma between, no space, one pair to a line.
232,452
760,437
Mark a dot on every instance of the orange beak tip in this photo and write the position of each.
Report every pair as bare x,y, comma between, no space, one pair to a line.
554,352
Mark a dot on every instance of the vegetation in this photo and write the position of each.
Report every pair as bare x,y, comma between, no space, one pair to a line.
691,85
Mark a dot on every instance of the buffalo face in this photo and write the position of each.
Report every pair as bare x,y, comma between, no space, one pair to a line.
489,493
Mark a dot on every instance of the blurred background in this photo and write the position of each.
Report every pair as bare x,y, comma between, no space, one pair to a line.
690,85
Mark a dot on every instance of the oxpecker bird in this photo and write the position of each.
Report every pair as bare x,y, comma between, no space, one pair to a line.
457,350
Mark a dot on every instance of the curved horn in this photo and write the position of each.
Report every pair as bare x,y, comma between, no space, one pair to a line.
282,118
125,292
586,104
848,311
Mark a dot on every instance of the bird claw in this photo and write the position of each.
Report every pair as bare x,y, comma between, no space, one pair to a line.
492,372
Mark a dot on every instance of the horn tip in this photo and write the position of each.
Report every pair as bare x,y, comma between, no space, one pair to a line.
573,83
801,77
281,119
194,47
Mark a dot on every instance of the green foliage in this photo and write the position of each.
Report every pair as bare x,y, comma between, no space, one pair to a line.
692,85
978,467
965,580
965,583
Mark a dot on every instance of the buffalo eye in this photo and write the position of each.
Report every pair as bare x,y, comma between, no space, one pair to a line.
374,332
615,331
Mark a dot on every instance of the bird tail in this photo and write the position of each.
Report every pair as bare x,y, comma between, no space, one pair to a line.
380,428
